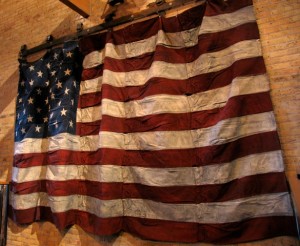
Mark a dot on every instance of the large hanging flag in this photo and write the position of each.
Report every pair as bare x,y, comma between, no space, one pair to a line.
175,138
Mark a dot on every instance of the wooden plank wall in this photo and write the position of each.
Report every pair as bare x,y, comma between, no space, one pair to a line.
29,22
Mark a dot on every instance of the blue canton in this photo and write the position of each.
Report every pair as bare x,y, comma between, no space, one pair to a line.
48,94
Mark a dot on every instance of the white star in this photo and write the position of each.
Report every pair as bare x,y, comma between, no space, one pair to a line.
71,123
31,68
31,82
20,100
47,101
53,73
68,71
30,100
74,83
37,128
55,56
39,91
23,130
69,54
47,83
45,119
29,118
39,110
67,91
59,84
48,65
63,112
52,96
72,101
40,74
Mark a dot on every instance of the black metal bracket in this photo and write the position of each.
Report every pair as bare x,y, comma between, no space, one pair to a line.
79,27
49,38
23,52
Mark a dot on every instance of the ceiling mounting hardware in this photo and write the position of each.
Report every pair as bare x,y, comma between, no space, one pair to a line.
152,10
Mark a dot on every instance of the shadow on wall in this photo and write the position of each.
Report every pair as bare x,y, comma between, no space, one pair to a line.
8,92
6,155
45,233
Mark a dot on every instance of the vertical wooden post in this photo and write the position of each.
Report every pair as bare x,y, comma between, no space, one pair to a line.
3,213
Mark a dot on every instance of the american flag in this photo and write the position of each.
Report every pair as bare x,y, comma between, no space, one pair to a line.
175,138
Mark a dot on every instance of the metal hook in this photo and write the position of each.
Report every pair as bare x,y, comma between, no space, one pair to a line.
79,27
49,38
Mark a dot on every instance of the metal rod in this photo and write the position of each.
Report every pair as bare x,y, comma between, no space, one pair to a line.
158,9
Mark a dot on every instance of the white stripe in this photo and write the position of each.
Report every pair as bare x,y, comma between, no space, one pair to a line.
93,59
223,132
160,177
277,204
205,63
62,141
89,114
159,104
188,38
216,61
222,22
91,85
222,212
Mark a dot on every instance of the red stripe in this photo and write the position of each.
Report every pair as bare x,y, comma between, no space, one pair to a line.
236,232
203,156
200,83
58,157
91,73
259,143
236,107
88,222
91,99
236,189
218,7
93,128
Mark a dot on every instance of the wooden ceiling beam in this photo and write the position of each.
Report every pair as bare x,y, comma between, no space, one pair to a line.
82,7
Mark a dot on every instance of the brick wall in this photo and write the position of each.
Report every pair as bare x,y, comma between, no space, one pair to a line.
29,22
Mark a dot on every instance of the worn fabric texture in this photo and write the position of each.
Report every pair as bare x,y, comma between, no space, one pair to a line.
175,136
